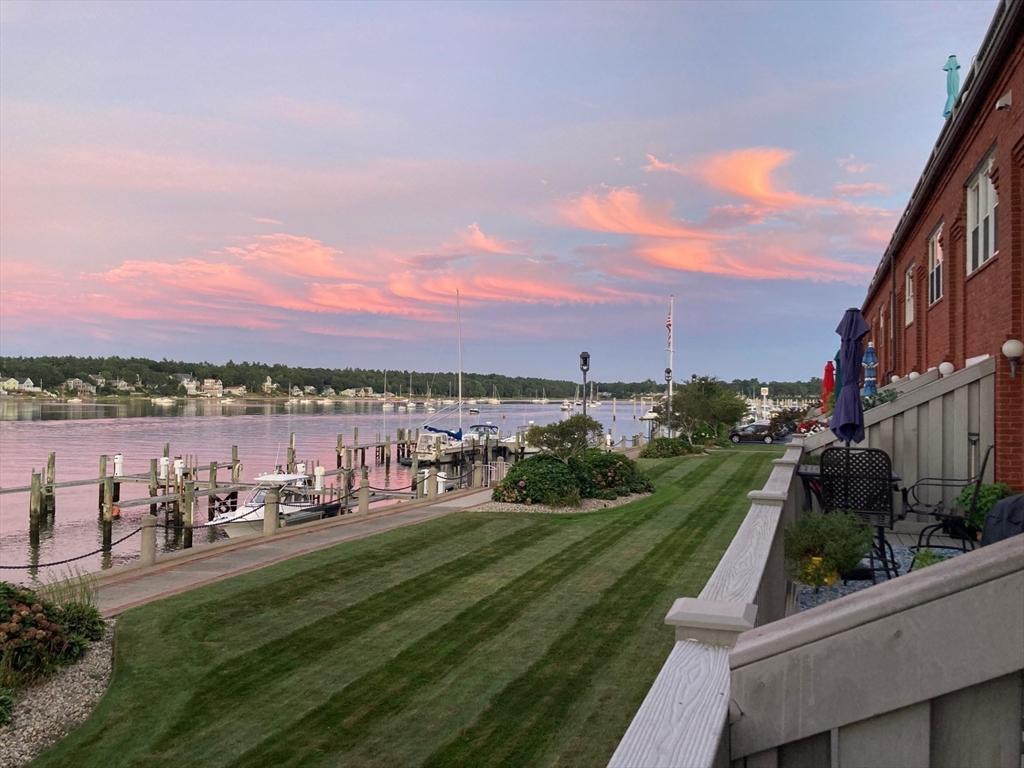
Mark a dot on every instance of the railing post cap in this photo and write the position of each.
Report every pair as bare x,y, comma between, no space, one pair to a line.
715,622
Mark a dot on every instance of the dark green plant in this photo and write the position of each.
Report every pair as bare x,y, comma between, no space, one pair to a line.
926,557
6,705
541,479
666,448
841,539
879,398
81,619
606,475
702,409
567,437
33,638
988,495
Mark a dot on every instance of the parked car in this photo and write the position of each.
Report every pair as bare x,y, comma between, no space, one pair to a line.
758,432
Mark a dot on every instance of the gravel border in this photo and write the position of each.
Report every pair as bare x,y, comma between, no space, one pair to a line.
809,597
49,711
587,505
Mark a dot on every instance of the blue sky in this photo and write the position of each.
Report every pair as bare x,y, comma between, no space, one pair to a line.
310,182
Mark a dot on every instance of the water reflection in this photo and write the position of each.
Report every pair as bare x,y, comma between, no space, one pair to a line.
80,432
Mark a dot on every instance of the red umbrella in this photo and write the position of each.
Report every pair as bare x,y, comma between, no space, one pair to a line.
828,383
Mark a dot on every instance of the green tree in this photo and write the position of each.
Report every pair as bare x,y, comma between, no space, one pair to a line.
703,404
566,438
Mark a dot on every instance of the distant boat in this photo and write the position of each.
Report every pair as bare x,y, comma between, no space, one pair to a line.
74,400
162,400
474,410
565,406
387,407
325,401
493,399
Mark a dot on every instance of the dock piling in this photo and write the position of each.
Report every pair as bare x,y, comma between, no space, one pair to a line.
147,549
49,492
364,492
189,504
102,476
35,504
432,483
108,511
270,512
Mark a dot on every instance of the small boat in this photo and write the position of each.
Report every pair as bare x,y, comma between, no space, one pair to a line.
297,503
403,408
162,400
73,400
474,410
387,407
325,401
431,409
228,400
565,406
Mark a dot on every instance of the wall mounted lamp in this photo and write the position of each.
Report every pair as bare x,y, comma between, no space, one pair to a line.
1013,349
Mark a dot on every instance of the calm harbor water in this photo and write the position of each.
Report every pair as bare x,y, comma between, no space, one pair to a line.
81,433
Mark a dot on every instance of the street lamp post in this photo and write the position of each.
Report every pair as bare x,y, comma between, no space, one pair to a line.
584,367
668,401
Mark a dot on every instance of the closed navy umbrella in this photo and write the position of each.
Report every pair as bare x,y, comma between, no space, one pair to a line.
847,421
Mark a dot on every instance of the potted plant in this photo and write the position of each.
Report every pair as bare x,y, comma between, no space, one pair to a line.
819,548
988,495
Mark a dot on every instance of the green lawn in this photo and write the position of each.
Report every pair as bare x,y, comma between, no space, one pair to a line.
479,639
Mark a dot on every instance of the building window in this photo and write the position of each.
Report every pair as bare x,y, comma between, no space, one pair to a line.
908,297
982,203
935,266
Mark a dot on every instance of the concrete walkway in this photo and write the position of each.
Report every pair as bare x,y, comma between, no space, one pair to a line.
125,588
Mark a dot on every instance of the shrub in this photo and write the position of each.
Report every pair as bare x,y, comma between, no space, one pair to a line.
6,705
604,475
988,495
541,479
33,637
926,557
840,539
666,448
81,619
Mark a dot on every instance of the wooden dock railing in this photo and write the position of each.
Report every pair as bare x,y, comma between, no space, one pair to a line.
682,720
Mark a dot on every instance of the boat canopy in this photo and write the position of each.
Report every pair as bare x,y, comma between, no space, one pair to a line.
279,478
456,435
484,428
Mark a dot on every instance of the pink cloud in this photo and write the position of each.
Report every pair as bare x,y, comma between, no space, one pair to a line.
857,190
286,254
769,262
748,173
623,211
476,239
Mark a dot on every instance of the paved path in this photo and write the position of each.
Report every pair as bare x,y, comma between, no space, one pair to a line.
121,590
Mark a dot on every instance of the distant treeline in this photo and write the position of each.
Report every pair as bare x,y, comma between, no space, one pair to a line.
155,376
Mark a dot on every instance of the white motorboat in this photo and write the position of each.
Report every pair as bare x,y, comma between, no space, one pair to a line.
387,407
565,406
162,400
297,503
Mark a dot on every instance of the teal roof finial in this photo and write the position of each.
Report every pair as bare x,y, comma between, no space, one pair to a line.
952,84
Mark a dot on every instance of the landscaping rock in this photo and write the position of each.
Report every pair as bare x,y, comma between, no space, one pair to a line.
48,711
587,505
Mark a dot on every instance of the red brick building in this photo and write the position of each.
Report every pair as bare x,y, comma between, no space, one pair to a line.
950,287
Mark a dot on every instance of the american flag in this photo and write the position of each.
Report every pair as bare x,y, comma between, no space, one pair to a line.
668,326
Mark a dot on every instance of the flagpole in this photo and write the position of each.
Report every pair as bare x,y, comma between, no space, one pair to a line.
671,359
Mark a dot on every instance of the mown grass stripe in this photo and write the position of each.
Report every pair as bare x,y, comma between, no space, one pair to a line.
324,577
277,658
337,723
537,701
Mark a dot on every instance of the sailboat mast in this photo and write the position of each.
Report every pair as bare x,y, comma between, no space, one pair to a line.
458,317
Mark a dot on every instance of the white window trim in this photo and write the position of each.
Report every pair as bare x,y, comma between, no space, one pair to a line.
982,201
908,296
935,248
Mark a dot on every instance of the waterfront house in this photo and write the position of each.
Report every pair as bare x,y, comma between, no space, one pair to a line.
79,386
212,388
268,387
238,391
10,384
309,389
949,290
28,386
120,385
328,392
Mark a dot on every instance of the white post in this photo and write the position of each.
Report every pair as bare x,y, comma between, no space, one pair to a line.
118,464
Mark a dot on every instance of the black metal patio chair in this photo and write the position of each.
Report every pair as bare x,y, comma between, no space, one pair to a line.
859,480
951,521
